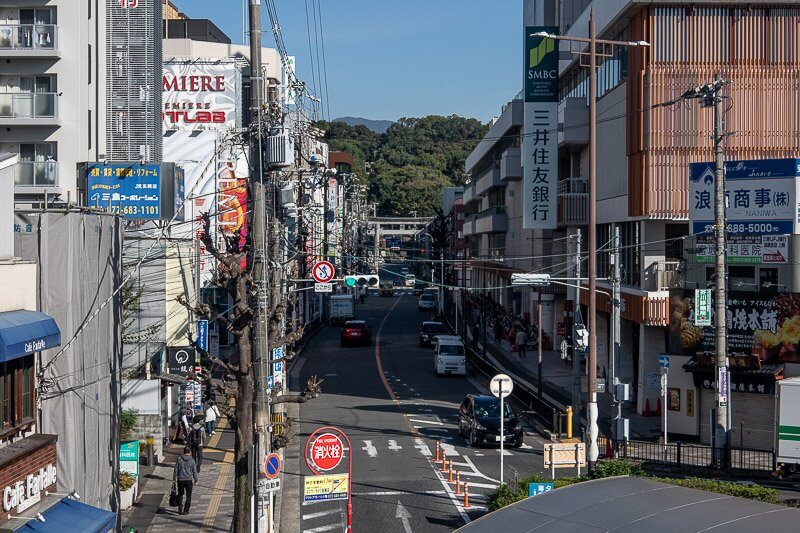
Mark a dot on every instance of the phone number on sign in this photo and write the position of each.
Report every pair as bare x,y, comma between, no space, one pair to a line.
133,209
756,227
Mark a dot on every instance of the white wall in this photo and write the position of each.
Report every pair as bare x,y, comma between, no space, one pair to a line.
612,167
651,345
685,420
18,279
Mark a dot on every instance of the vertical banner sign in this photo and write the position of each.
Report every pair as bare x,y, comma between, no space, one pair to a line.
702,312
540,139
722,384
288,74
202,335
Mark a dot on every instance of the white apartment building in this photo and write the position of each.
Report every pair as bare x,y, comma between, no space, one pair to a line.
52,92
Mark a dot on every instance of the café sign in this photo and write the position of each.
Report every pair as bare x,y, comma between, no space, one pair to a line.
26,492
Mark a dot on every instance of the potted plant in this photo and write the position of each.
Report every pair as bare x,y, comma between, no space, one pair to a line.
127,489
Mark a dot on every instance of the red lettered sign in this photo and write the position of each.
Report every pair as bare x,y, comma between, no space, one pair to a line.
326,452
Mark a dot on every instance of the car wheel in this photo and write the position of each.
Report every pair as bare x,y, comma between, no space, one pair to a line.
473,440
460,428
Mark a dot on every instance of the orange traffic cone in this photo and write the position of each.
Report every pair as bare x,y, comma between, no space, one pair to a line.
466,495
438,451
647,408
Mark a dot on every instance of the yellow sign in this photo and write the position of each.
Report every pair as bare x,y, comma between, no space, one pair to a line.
328,487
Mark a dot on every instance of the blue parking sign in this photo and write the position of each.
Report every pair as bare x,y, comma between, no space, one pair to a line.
534,489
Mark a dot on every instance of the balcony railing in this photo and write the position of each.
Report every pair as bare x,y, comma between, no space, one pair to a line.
28,105
511,164
663,275
36,174
28,36
573,201
492,220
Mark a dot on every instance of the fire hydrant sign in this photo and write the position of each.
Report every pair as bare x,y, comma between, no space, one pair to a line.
323,271
327,487
326,452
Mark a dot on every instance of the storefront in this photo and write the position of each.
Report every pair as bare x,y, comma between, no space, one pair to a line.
30,502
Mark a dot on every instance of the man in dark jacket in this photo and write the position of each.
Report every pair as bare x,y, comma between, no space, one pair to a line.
185,474
196,441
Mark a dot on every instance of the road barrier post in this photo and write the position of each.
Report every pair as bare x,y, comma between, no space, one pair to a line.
450,471
458,483
569,421
466,495
438,451
444,463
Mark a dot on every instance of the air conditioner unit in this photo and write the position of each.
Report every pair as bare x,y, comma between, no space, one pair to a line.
280,150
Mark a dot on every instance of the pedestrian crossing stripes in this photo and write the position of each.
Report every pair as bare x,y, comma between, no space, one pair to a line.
375,449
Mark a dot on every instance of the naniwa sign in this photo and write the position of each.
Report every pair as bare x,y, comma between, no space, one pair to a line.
540,140
201,94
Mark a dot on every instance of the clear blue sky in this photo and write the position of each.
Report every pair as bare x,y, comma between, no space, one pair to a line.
390,59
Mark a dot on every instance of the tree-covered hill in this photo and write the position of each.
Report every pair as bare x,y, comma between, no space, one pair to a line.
411,162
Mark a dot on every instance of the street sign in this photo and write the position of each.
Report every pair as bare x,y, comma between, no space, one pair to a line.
277,353
507,385
327,487
323,271
530,279
202,335
722,383
270,382
180,360
702,307
599,386
272,466
564,455
326,452
663,361
279,367
323,287
534,489
264,485
129,457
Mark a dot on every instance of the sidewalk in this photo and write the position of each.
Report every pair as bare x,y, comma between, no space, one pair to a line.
557,376
212,501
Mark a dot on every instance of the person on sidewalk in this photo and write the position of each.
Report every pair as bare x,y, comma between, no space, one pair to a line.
212,415
197,439
185,475
522,341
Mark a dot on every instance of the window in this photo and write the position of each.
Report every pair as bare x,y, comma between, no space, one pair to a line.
17,395
742,278
768,279
37,165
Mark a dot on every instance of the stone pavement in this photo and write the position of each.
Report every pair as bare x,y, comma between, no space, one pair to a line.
212,501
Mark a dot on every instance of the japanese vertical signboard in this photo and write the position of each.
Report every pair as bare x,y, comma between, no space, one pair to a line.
288,77
702,314
540,139
761,197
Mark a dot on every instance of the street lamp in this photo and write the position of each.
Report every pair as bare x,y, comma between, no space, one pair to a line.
606,50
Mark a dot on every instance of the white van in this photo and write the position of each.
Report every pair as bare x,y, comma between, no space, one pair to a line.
450,356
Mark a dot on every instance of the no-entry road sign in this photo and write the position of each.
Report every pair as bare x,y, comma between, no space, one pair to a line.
323,271
326,452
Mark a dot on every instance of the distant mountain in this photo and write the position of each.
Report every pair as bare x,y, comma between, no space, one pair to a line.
378,126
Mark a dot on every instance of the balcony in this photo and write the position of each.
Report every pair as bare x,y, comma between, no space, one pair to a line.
488,180
492,220
573,121
29,109
662,276
36,174
29,40
511,165
469,194
573,201
469,226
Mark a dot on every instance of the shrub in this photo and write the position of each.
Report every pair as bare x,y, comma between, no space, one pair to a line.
617,467
751,492
126,480
128,421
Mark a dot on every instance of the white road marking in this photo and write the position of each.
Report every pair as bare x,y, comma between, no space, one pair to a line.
311,516
320,529
475,469
505,452
483,485
452,496
394,446
331,375
477,454
396,493
371,450
437,429
422,447
418,421
525,447
449,450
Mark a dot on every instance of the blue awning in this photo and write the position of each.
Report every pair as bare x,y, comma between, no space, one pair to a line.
25,332
70,515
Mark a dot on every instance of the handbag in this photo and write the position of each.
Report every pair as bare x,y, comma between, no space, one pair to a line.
174,500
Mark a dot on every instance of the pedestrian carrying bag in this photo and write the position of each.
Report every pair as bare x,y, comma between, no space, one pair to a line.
174,500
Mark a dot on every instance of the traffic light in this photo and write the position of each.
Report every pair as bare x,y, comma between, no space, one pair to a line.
361,280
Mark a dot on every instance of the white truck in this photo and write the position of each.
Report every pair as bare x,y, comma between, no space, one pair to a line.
341,308
787,424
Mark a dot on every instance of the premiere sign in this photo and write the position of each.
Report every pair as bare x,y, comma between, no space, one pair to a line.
201,94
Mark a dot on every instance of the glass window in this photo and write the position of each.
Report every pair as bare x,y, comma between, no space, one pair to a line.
17,396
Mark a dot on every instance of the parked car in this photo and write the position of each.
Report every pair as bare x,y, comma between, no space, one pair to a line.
432,290
386,290
356,332
428,332
419,287
427,302
479,421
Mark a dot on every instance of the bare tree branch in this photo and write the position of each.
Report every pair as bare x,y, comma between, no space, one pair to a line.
312,390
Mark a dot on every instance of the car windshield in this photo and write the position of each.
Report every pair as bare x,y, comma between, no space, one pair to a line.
490,408
432,328
427,297
451,349
355,325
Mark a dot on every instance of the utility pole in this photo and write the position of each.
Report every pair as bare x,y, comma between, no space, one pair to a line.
614,360
539,343
260,273
576,317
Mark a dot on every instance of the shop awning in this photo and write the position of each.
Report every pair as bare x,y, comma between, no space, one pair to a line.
71,515
25,332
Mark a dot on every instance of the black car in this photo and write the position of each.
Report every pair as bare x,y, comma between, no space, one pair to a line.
479,421
428,332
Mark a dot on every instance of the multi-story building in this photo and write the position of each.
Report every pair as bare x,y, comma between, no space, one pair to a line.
52,97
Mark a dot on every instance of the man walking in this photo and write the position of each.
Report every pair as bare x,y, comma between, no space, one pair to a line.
212,414
185,475
522,341
197,439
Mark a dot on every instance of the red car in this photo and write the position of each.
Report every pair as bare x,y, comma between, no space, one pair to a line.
356,332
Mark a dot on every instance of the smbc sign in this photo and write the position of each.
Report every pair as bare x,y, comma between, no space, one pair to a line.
362,280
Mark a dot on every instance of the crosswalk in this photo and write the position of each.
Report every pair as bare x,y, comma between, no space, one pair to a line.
381,448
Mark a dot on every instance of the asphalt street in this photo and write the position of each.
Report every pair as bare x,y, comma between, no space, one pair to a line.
394,409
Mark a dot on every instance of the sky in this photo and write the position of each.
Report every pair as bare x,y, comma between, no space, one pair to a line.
391,59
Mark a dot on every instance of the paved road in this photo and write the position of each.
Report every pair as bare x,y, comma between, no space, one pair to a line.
394,409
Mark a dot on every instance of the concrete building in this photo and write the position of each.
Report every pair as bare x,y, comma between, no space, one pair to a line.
52,97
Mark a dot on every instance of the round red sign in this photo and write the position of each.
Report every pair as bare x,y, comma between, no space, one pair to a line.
326,451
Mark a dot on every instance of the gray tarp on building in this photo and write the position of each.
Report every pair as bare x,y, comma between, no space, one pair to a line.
79,267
